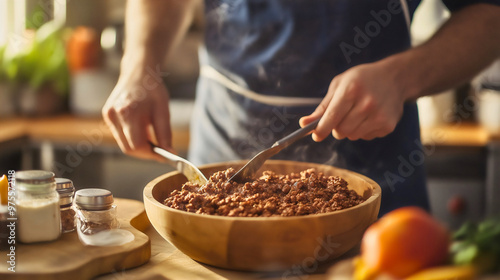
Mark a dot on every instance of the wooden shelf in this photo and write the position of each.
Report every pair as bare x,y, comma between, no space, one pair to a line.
72,129
458,134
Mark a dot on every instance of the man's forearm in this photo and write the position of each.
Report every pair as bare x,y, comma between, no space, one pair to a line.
461,48
153,27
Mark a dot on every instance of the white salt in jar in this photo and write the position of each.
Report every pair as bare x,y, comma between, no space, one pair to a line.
37,206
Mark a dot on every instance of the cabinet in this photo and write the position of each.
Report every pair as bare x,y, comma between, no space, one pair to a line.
456,183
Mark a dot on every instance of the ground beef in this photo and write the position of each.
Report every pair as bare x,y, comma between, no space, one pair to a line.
309,192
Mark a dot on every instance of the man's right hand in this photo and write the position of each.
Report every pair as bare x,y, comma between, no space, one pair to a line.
137,109
137,112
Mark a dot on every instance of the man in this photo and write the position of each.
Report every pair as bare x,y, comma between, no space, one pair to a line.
268,64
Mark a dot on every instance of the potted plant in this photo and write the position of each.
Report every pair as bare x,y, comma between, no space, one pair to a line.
7,101
40,70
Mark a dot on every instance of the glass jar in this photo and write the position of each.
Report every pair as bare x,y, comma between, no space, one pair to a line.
95,211
37,206
66,191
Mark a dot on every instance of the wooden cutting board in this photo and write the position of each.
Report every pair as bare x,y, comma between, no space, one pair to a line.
68,258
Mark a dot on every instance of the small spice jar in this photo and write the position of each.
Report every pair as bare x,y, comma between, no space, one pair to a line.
66,192
95,211
37,206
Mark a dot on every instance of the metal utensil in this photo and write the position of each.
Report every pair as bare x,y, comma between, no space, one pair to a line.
247,171
192,173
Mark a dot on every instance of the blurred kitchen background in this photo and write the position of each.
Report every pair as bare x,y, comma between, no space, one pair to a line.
59,61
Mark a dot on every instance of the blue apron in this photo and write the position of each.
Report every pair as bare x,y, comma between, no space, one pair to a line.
259,53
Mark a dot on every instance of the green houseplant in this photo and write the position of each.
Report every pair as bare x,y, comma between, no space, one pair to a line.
7,107
40,71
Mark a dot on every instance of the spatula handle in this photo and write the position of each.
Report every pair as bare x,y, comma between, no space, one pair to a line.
296,135
170,158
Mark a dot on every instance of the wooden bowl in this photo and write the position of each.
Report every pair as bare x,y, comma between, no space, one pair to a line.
260,243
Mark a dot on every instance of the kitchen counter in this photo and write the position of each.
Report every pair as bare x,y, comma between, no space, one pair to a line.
457,134
167,262
70,128
73,129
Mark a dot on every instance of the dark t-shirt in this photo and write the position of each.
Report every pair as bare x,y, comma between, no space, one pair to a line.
293,48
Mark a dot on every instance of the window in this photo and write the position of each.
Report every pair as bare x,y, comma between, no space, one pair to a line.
16,15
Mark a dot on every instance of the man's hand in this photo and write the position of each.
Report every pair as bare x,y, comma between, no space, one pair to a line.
366,101
137,112
362,103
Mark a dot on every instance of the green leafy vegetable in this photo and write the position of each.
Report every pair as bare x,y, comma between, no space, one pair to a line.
478,245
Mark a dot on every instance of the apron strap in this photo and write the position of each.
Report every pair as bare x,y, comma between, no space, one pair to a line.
209,72
406,12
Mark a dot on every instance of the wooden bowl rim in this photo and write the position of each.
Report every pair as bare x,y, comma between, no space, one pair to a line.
148,194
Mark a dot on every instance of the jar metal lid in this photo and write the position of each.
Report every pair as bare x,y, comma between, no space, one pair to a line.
35,176
64,187
35,180
65,201
94,199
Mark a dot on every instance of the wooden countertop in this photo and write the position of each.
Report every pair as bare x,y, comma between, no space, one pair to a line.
72,129
68,128
456,134
167,262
